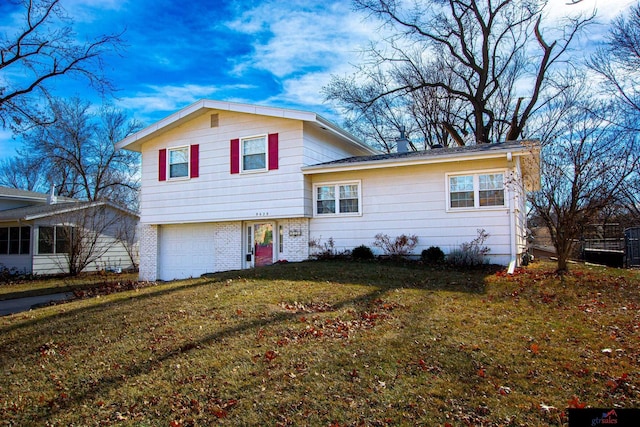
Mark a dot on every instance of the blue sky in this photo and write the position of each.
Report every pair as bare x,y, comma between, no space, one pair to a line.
269,52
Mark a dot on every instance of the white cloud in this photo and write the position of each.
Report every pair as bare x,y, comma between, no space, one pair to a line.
302,44
153,102
606,9
292,37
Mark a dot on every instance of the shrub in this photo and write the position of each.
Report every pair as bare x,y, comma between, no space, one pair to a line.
433,255
400,247
325,250
362,252
470,254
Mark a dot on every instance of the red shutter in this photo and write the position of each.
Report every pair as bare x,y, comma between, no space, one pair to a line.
162,165
273,151
195,160
235,156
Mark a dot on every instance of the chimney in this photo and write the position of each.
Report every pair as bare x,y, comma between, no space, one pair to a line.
52,199
402,143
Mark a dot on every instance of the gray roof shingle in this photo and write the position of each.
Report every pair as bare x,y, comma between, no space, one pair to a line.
431,153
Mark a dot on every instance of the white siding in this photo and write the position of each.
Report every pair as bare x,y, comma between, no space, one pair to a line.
218,195
16,263
115,257
412,200
108,253
520,212
322,146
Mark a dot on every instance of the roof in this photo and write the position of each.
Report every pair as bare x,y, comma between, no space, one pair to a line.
30,213
134,142
17,194
434,155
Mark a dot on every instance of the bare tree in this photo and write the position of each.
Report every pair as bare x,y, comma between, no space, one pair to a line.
23,173
587,161
44,47
618,61
76,153
475,54
127,235
82,235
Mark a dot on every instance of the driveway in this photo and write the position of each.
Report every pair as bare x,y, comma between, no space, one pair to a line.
18,305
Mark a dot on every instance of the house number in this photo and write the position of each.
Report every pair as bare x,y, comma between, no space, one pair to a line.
262,213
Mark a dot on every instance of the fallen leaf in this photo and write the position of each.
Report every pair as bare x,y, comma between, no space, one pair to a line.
535,349
575,403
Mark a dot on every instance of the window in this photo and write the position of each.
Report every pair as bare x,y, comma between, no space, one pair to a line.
178,162
55,240
461,191
254,154
15,240
477,190
491,189
333,199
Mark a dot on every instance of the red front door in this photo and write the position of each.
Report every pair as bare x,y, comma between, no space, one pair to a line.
262,244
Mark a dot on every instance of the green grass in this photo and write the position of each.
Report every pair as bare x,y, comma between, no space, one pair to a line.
330,343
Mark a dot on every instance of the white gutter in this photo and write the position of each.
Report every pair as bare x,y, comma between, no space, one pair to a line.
385,163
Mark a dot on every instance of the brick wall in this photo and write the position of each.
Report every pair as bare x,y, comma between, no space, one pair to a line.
295,239
228,248
148,252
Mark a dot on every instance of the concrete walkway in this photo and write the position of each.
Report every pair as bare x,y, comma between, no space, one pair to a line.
18,305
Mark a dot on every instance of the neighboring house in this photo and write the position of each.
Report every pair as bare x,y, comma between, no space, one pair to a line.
231,186
45,234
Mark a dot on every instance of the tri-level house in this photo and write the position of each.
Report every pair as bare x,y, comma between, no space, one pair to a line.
232,186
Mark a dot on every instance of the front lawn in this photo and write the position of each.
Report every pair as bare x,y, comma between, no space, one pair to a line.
330,343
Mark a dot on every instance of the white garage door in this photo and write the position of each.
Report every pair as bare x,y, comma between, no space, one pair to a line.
185,251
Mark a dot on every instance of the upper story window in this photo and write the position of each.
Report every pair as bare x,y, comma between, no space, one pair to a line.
178,162
337,199
15,240
254,154
476,190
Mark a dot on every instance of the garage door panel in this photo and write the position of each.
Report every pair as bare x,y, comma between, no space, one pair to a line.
185,251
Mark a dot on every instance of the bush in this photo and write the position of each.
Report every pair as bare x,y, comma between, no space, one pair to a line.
362,252
433,255
326,250
470,254
400,247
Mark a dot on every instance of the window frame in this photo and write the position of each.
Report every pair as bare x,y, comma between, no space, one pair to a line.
265,140
9,241
336,191
55,242
476,190
187,149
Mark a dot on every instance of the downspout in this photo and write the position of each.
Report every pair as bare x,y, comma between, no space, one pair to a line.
512,217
